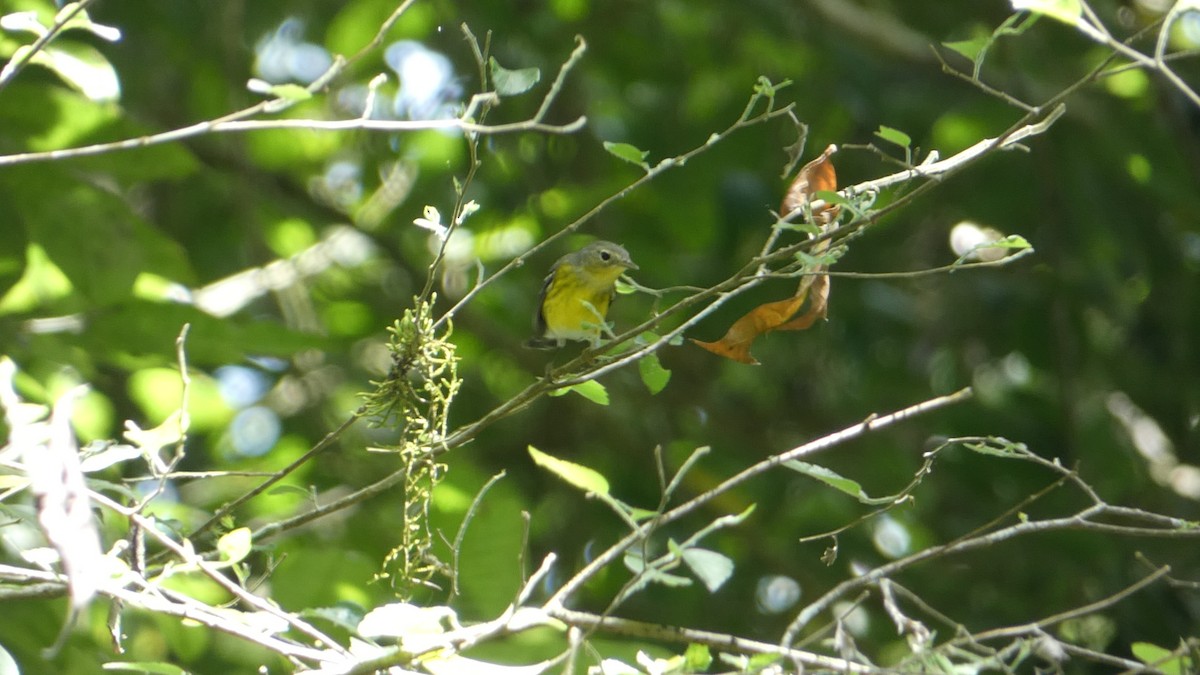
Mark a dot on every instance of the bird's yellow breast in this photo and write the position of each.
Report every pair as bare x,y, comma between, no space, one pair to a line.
577,302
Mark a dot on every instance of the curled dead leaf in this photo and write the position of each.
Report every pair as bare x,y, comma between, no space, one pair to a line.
816,176
778,315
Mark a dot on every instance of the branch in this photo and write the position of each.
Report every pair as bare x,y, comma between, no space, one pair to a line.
1090,608
189,558
238,125
679,635
238,122
870,424
14,67
1083,520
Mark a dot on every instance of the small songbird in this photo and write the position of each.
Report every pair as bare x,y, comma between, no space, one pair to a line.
576,295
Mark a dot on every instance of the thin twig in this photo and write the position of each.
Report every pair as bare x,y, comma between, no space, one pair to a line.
279,475
679,635
613,552
14,67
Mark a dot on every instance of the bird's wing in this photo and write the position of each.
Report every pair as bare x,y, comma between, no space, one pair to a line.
539,317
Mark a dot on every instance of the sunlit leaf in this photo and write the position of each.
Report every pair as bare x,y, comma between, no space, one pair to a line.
398,619
170,432
627,152
23,21
697,658
512,82
290,92
1067,11
8,665
234,546
12,481
591,390
654,376
1163,660
623,288
81,20
82,66
108,456
582,477
712,568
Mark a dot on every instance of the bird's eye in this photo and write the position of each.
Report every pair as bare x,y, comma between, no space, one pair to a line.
605,256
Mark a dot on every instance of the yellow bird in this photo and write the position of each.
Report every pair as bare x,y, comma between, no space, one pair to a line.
576,295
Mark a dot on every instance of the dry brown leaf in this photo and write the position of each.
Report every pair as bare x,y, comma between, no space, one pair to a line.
816,176
762,319
818,290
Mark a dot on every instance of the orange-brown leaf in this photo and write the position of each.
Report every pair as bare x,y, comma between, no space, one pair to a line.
765,318
818,291
816,176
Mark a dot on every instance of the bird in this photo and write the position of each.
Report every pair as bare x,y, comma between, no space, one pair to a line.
576,294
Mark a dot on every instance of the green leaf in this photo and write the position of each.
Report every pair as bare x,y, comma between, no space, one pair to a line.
1067,11
1161,658
971,49
894,136
639,514
290,92
591,390
512,82
1014,241
234,546
765,87
654,376
998,447
761,662
800,226
12,249
582,477
81,66
635,563
697,658
712,568
838,482
831,197
654,575
81,20
99,252
289,490
627,152
152,667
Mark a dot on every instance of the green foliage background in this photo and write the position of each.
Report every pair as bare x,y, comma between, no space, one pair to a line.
1107,308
